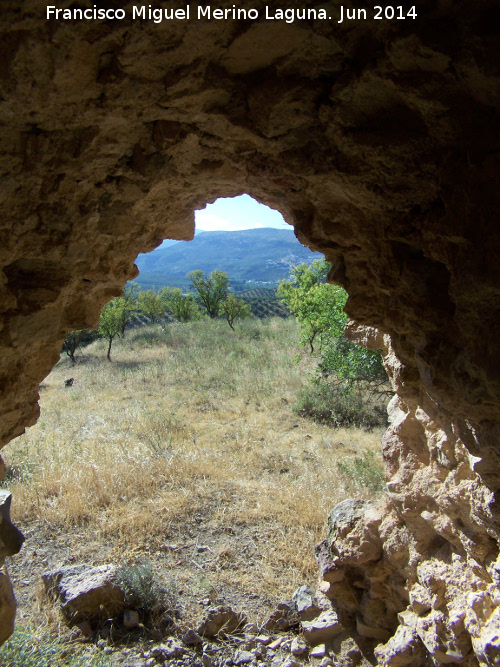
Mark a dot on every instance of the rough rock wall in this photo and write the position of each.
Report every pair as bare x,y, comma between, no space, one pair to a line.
378,140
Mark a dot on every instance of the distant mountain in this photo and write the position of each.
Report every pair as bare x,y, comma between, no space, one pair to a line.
251,258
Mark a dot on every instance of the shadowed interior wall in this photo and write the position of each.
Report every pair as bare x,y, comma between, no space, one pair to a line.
378,140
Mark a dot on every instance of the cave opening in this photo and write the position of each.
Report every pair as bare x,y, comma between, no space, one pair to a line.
377,140
187,453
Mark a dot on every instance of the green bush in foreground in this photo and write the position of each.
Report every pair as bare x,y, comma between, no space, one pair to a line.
25,649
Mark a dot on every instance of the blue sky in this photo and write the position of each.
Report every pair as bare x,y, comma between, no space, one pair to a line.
231,214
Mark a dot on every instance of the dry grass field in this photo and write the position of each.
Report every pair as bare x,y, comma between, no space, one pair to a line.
185,452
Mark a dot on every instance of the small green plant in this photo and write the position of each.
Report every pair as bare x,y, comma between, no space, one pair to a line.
25,649
365,470
143,590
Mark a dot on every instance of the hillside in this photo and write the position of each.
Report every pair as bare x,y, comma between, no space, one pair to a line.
251,258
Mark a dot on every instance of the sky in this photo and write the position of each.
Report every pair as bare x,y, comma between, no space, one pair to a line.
232,214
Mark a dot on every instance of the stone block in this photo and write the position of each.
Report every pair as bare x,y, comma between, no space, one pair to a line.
322,629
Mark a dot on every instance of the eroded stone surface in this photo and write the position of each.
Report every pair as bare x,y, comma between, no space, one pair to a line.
378,141
85,593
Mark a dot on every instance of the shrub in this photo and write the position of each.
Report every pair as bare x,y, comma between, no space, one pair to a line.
365,470
25,649
328,404
77,339
144,592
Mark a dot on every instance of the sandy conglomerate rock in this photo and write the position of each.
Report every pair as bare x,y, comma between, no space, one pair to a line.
378,140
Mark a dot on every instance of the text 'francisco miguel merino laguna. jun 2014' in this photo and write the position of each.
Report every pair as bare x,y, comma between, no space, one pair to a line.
209,12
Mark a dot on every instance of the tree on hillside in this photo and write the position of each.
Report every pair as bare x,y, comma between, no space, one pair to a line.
182,307
71,344
130,294
319,309
234,309
77,339
151,304
317,305
211,290
111,321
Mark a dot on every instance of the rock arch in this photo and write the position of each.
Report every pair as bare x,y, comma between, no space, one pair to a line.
378,140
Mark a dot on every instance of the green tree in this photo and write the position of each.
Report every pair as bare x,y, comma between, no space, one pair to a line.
234,309
182,307
317,305
77,339
130,294
319,309
71,344
111,321
211,290
151,304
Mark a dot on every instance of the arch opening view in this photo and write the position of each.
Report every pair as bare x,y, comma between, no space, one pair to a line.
193,452
377,140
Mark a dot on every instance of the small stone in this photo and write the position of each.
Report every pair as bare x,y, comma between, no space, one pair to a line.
305,604
263,639
242,657
170,649
298,646
100,643
130,619
276,643
207,660
374,633
322,629
290,662
108,650
221,620
151,662
318,651
192,638
283,618
326,662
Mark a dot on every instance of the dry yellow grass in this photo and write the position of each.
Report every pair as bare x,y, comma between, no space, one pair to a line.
187,439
